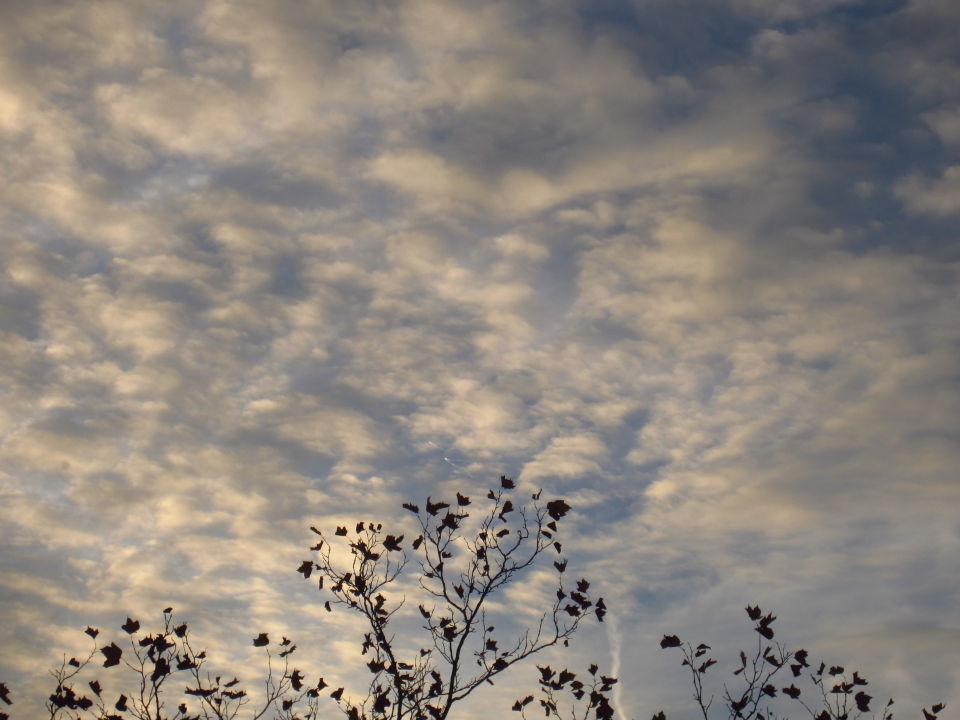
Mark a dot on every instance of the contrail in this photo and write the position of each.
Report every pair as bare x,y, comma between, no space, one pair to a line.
615,642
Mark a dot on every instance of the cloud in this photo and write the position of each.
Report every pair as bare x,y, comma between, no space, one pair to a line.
688,265
566,457
933,196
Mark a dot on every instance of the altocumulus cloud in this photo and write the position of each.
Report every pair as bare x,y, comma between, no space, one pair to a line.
693,265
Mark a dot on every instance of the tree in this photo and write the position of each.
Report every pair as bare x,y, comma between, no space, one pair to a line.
464,560
153,663
460,561
585,697
833,694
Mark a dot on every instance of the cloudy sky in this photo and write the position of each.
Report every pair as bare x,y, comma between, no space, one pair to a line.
690,264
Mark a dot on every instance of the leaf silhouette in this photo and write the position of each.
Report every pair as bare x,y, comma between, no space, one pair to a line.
381,703
520,704
763,627
434,507
557,509
506,483
452,521
160,669
670,641
112,654
261,640
130,626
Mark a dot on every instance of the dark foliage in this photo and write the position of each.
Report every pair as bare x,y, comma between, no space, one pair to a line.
827,692
165,677
564,695
461,560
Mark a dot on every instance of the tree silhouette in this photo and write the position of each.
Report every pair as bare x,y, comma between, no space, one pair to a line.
828,692
154,662
585,697
464,559
459,563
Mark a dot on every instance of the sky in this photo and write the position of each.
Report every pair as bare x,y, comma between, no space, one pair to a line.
691,265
